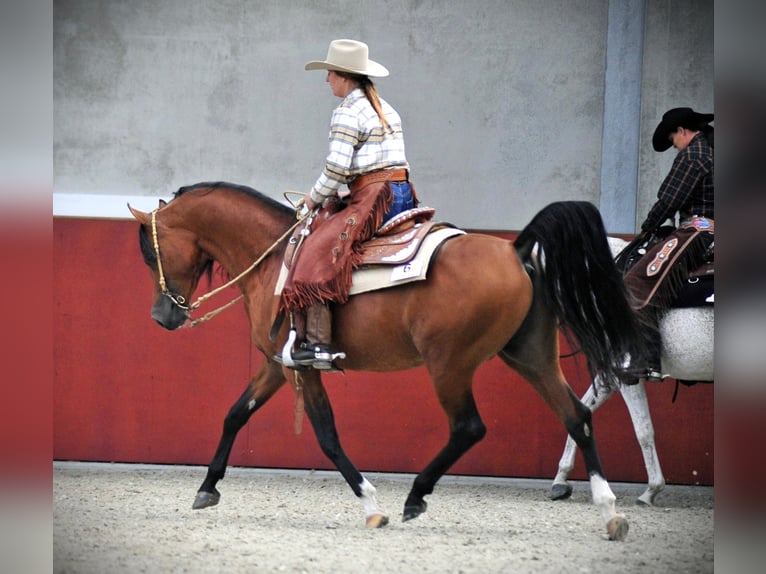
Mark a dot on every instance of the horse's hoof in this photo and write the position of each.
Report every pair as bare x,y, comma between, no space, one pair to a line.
414,510
377,521
647,498
205,499
561,491
617,527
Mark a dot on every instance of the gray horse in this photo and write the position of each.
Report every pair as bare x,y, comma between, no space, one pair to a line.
687,357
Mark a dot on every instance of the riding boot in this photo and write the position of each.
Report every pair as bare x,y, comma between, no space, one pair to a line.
654,358
315,350
647,365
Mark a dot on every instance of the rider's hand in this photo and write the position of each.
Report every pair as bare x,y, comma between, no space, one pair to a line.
308,202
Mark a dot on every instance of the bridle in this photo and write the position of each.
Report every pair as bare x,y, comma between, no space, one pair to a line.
180,301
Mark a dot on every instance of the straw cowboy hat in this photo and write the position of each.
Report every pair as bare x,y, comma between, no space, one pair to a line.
349,56
674,119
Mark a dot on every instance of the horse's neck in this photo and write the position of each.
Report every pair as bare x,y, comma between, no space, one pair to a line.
241,237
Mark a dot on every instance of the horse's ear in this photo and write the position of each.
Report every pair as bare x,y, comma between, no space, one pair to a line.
142,217
163,203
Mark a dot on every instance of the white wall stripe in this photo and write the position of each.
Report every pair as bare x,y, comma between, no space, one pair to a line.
101,206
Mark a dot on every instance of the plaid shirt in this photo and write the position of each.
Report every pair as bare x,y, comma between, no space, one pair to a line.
359,144
688,187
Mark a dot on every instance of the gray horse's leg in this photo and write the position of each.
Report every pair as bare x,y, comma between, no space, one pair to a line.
561,489
638,407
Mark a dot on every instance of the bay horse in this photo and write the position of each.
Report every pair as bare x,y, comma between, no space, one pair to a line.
483,297
687,336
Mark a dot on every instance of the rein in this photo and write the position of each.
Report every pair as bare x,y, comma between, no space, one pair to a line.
180,301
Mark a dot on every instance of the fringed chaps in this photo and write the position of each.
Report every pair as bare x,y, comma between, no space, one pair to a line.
656,279
321,270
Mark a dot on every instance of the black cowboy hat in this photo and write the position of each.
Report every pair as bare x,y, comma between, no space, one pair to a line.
672,120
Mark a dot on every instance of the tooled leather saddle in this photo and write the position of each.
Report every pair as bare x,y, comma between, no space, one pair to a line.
396,242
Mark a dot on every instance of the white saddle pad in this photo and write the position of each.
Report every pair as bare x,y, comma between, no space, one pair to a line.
374,277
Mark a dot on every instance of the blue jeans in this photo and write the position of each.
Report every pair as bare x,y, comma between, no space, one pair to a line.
402,199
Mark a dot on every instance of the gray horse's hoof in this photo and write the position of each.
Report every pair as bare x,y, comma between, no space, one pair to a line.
647,498
560,491
205,499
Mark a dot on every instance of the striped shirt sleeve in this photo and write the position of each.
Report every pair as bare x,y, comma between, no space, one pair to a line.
344,139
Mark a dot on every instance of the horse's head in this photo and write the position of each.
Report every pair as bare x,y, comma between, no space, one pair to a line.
176,261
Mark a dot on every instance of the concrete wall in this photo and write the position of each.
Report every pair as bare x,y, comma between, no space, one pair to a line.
507,105
677,71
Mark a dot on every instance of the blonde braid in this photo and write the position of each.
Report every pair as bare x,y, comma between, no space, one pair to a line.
371,93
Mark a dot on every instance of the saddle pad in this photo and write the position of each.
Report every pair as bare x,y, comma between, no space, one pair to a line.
374,277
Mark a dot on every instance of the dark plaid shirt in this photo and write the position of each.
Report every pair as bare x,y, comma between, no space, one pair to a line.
688,188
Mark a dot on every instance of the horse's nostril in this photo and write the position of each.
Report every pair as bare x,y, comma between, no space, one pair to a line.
169,317
160,318
169,325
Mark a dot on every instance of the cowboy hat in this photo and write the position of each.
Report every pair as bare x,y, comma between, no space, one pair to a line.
349,56
674,119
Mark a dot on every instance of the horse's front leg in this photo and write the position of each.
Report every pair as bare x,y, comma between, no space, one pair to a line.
561,489
261,387
319,412
638,407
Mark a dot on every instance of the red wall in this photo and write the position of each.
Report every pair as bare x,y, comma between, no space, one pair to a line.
127,390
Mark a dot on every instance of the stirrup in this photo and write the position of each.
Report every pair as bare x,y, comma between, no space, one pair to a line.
311,356
319,357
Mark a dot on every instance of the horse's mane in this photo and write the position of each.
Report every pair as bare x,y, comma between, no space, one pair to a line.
249,191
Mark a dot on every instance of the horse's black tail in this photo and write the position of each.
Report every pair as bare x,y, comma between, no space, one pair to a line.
583,286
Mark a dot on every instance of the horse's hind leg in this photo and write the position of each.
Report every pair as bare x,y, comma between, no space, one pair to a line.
319,412
577,419
466,429
561,489
261,387
638,407
534,354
